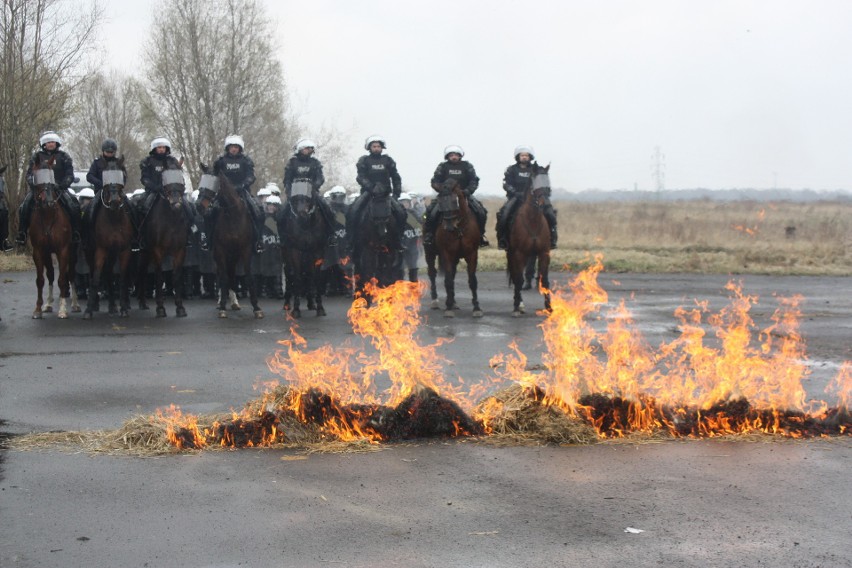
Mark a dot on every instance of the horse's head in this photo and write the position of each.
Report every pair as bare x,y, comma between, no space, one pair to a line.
301,199
449,195
174,187
45,189
539,188
113,178
208,188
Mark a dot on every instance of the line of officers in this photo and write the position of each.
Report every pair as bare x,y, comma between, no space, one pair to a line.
376,172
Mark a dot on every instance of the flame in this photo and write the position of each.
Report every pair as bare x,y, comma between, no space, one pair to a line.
751,231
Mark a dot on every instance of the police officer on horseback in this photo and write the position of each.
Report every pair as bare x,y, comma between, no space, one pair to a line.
302,166
109,148
239,169
515,180
454,168
63,173
375,171
158,160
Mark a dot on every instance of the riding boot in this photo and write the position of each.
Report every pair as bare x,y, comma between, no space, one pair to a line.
412,275
132,214
189,213
550,215
257,218
75,216
143,209
25,212
430,219
483,241
328,215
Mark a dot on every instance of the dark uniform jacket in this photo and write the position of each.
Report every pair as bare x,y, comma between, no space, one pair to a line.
63,167
378,168
516,179
238,169
460,171
303,168
152,170
96,173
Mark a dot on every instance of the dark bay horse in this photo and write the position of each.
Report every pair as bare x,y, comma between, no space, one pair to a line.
376,246
304,235
456,237
529,237
165,233
112,234
50,234
232,238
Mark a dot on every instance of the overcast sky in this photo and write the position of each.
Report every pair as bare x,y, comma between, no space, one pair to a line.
734,93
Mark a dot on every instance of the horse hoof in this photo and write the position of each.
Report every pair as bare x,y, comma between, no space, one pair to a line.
76,309
180,312
449,313
223,314
477,313
37,315
258,314
161,312
62,315
48,309
435,305
517,313
320,311
87,315
235,307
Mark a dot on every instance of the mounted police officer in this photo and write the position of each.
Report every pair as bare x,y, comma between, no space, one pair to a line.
109,148
158,160
515,180
376,169
453,167
304,167
63,173
239,169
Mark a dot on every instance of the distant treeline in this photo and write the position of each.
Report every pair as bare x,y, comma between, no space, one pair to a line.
792,195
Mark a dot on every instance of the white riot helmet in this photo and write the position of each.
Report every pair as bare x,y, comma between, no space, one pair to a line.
374,138
336,190
273,188
140,191
263,192
525,149
304,143
273,199
403,196
194,196
86,192
235,139
49,136
453,150
162,141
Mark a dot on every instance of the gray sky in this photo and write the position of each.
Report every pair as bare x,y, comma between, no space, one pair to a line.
735,93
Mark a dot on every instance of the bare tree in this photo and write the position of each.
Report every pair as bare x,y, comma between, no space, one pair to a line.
43,45
108,106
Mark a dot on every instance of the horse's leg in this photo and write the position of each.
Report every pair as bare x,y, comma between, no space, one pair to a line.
450,267
177,281
252,284
472,260
123,288
224,288
517,263
109,282
63,259
95,271
298,285
40,268
48,265
142,278
433,273
544,276
320,277
160,311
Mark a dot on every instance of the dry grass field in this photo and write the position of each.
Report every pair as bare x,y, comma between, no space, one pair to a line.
700,236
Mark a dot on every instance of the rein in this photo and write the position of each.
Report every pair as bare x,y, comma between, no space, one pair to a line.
107,204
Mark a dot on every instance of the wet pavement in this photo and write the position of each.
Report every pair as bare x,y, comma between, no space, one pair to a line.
699,503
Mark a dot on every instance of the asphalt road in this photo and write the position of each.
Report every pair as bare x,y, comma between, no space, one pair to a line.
699,503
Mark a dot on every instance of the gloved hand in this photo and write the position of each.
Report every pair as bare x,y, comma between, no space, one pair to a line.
449,184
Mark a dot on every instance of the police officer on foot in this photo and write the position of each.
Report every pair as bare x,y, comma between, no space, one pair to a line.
63,173
453,167
239,169
515,180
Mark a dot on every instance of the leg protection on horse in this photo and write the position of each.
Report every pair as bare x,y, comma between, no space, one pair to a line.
550,215
25,213
481,217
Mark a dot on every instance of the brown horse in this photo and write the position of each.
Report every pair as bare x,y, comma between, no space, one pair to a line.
50,234
377,241
232,238
529,237
456,237
304,235
165,234
112,235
